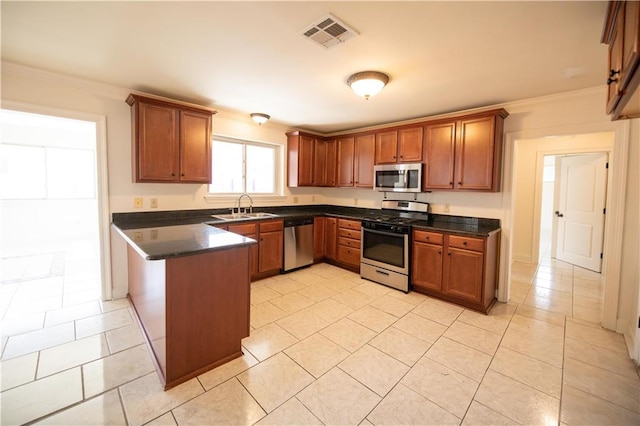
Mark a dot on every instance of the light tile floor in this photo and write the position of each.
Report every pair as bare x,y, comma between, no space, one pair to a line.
327,347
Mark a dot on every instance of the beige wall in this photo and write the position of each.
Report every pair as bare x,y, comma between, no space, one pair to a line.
583,110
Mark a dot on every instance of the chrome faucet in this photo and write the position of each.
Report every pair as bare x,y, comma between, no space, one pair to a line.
250,202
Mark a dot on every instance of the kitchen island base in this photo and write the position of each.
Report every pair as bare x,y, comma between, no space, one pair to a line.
194,310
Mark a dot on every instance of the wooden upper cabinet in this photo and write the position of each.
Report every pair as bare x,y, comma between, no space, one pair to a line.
465,154
363,160
345,148
410,145
439,152
324,168
399,146
171,141
300,159
386,147
194,129
622,33
476,154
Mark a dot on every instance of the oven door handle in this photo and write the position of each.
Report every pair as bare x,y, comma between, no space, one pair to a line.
393,234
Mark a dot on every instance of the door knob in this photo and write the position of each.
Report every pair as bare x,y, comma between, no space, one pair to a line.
559,214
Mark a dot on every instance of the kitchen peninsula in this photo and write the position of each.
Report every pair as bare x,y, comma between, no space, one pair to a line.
189,286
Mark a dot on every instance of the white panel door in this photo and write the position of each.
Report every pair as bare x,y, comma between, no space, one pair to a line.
580,211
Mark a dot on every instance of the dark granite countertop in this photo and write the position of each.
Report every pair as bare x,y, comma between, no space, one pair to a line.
163,242
164,234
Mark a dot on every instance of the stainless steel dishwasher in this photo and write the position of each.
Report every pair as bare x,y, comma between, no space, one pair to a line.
298,243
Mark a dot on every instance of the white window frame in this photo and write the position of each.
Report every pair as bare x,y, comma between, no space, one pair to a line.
278,193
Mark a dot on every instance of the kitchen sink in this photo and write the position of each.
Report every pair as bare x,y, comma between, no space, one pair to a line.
260,214
241,216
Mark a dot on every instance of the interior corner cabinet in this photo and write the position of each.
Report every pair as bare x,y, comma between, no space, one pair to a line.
319,237
171,141
324,163
364,157
622,33
464,154
300,152
399,146
458,268
331,238
345,154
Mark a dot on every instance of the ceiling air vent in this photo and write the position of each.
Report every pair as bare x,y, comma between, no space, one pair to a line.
328,31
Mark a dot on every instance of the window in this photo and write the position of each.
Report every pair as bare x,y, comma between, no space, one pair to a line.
241,166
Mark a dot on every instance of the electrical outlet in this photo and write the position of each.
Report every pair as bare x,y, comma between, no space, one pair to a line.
137,237
295,200
446,208
154,203
313,198
355,201
137,202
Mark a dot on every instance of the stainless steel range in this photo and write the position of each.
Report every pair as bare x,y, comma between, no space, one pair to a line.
385,243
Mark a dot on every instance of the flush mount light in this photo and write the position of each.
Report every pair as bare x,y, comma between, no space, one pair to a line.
367,83
260,118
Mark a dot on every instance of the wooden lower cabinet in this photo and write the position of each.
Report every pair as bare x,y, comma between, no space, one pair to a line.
271,245
194,310
248,230
458,268
349,239
319,236
331,238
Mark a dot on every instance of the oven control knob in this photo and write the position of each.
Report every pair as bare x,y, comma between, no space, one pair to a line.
393,229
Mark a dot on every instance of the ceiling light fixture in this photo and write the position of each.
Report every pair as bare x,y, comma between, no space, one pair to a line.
260,118
367,83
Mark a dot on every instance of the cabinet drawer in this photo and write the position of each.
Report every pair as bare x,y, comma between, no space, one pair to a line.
349,255
348,233
277,225
469,243
348,242
349,224
243,229
427,237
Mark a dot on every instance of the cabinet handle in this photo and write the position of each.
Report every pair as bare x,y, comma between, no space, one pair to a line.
173,174
439,251
613,72
459,183
464,243
450,183
611,80
181,174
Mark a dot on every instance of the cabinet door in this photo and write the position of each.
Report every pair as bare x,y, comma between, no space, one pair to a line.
426,266
475,153
410,145
386,147
616,47
195,147
345,148
349,255
320,163
331,238
319,236
270,257
305,161
332,163
631,41
324,164
439,150
463,274
156,143
248,230
363,163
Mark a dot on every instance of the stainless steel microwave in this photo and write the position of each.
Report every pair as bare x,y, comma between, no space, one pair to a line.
398,177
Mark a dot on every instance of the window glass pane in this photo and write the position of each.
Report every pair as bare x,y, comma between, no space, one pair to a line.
260,169
226,165
63,168
22,172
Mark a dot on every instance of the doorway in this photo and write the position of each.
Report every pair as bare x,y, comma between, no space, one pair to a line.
52,198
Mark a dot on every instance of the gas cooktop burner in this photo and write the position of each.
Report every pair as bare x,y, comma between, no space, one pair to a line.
395,220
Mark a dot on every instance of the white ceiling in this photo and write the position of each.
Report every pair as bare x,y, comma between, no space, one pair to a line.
251,57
